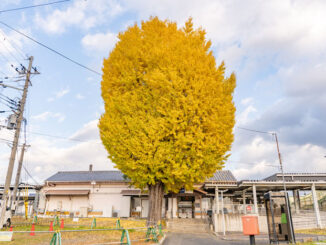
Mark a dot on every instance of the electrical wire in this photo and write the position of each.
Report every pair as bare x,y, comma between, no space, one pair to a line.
6,59
30,175
255,131
61,137
32,6
12,55
6,140
247,163
51,49
14,45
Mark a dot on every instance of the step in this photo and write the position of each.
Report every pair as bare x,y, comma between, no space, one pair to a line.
188,225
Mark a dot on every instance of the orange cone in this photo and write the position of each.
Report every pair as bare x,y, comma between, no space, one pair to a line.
62,225
32,230
11,229
51,226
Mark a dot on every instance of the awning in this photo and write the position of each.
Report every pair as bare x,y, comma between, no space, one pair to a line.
132,193
67,193
200,191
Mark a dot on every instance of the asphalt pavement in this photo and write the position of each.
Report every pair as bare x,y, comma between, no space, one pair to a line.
201,239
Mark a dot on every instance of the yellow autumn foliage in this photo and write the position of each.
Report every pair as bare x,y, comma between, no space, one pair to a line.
169,111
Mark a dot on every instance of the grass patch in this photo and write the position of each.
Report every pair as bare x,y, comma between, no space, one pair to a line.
80,237
312,231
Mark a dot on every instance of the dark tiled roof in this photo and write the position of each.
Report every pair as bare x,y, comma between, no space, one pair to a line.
223,176
87,176
297,177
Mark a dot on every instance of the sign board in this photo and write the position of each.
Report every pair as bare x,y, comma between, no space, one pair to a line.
6,236
248,208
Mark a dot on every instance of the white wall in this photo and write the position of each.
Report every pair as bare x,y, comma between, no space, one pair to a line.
105,198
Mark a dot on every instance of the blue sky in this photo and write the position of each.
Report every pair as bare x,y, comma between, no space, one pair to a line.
276,48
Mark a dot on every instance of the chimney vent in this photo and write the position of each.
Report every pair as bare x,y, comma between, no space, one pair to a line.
91,167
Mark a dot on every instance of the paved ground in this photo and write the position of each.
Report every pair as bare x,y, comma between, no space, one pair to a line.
201,239
210,239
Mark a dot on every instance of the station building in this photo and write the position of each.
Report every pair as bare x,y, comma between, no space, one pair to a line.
110,194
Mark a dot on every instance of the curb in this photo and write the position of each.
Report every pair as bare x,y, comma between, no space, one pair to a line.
162,240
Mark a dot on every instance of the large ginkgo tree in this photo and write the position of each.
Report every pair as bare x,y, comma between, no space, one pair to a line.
169,112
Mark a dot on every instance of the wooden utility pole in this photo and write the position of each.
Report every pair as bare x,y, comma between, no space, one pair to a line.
5,195
19,168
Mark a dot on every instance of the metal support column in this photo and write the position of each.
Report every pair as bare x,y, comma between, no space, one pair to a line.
217,210
316,207
255,199
217,202
244,201
296,200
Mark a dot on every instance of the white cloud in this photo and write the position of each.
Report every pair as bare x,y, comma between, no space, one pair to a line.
89,131
247,101
62,92
81,14
44,116
246,115
80,96
99,42
258,158
47,155
59,94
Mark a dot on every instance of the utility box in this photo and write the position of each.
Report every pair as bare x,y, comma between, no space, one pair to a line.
250,225
12,121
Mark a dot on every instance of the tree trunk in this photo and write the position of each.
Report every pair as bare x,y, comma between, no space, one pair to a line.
155,199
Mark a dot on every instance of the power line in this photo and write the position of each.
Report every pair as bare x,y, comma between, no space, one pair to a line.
6,140
256,131
51,49
30,175
9,52
14,45
58,137
32,6
61,137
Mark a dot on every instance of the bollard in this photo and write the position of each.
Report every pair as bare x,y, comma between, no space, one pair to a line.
151,234
123,235
32,230
93,225
35,219
118,224
51,226
160,229
62,225
56,220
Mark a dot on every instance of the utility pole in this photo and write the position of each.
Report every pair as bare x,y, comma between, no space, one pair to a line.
5,195
284,186
19,168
